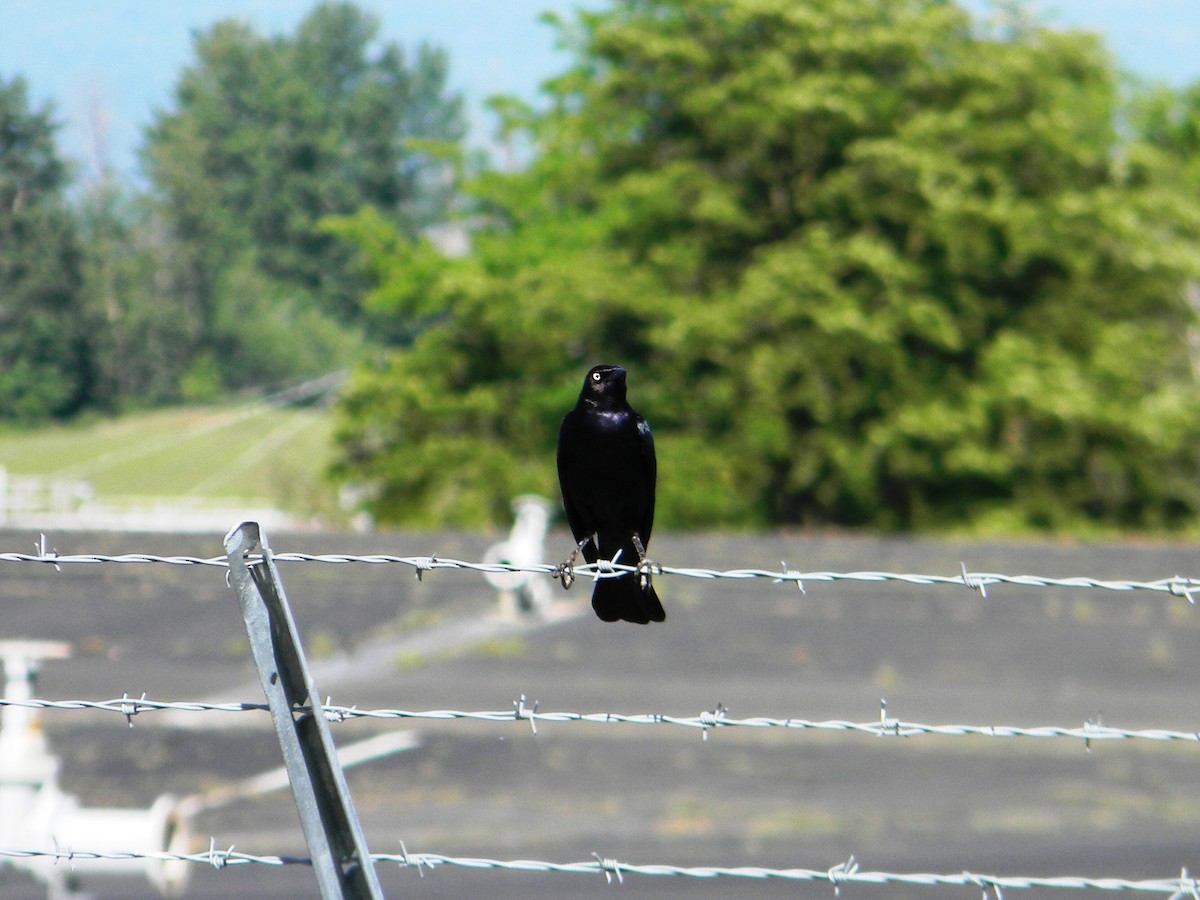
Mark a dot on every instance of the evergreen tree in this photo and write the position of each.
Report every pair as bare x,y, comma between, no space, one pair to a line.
46,360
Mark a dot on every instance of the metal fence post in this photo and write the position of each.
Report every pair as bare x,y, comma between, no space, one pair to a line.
336,845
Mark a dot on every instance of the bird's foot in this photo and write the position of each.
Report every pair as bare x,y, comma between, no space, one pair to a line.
565,570
644,570
645,567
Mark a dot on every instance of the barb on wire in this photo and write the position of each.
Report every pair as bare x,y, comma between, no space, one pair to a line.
218,859
129,707
837,876
1184,587
973,582
786,576
48,556
885,726
1188,887
522,712
839,872
610,868
978,581
410,862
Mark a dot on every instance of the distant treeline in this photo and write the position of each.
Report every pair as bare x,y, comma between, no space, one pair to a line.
219,274
870,263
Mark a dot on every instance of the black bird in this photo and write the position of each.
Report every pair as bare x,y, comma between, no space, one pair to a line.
606,469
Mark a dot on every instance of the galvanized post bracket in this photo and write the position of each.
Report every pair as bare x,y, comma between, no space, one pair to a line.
343,867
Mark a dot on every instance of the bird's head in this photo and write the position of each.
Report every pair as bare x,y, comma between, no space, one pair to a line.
604,385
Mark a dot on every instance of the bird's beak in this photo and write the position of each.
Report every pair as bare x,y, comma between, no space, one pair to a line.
619,372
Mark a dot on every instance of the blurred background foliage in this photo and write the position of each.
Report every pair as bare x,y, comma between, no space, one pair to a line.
870,264
217,274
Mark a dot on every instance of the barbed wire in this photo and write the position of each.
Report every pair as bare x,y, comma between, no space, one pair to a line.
716,718
1176,585
705,722
848,872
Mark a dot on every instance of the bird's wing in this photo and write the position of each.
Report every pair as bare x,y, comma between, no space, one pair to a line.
567,437
650,472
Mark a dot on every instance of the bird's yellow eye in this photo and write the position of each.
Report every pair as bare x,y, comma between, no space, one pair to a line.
595,376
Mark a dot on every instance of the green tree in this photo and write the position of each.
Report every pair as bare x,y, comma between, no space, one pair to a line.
265,137
1168,122
870,264
46,363
138,336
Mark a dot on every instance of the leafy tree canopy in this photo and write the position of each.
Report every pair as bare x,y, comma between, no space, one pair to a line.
46,367
869,263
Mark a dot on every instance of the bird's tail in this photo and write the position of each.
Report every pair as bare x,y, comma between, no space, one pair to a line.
625,598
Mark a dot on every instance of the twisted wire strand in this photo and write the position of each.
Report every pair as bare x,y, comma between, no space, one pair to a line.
849,872
844,873
709,720
978,581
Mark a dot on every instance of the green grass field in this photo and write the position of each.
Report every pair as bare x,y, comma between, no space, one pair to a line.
198,453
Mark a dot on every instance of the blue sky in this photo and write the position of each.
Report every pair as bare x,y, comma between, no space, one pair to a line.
107,64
